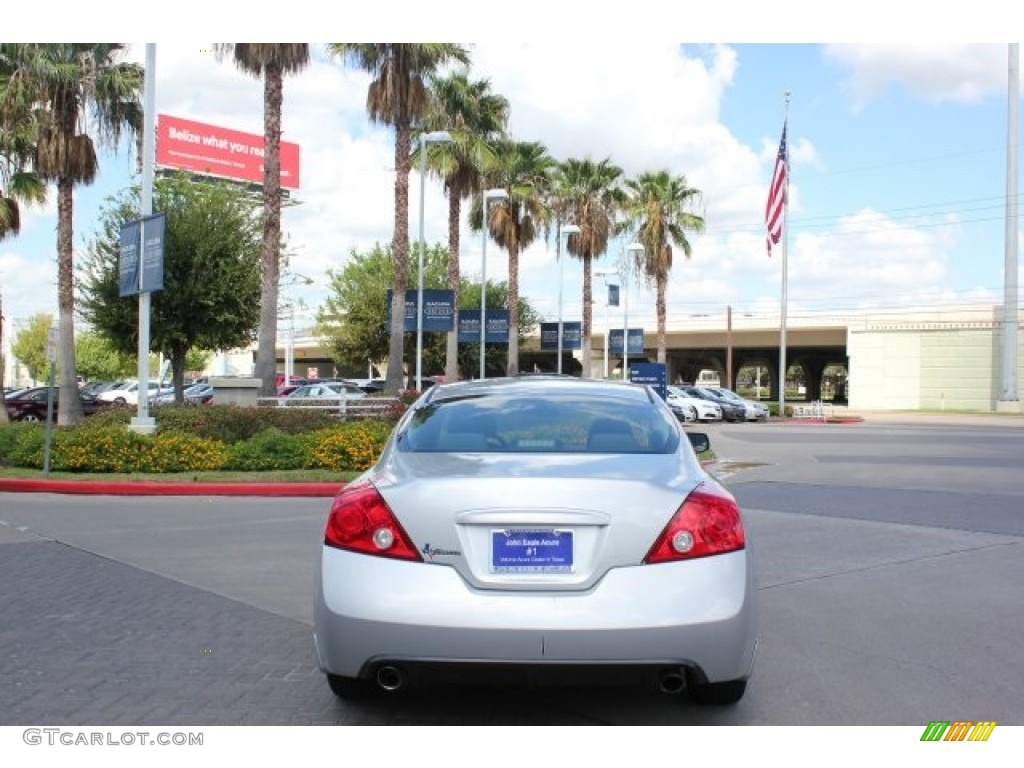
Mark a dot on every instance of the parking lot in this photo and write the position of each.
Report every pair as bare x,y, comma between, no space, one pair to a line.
889,559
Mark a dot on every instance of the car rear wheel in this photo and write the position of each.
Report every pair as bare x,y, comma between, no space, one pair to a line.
29,417
351,688
717,694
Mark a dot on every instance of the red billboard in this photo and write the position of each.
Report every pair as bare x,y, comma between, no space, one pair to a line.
215,151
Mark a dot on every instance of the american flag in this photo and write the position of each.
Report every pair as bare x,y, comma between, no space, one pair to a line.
777,196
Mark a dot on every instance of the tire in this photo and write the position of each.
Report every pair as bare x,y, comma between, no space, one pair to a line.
717,694
349,688
29,417
120,401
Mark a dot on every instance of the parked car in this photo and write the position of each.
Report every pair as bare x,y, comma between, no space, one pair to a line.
537,525
756,411
194,394
704,410
731,411
30,404
323,393
128,393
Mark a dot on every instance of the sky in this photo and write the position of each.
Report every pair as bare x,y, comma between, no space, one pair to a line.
898,154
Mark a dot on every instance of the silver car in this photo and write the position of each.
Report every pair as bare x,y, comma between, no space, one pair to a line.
535,525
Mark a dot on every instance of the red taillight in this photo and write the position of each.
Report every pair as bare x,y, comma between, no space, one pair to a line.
707,523
361,521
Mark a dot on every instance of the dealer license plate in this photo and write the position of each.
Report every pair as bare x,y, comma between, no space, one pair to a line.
531,551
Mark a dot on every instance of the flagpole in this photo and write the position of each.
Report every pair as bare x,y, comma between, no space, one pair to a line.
785,278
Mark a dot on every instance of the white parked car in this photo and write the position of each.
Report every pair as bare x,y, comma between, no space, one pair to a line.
128,393
704,410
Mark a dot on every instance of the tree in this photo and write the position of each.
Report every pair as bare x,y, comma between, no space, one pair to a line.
30,346
18,182
271,61
591,196
524,170
475,118
657,207
210,299
99,359
75,88
353,319
398,97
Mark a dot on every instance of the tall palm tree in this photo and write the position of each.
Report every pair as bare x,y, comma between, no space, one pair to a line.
658,207
75,88
18,182
591,195
398,97
271,61
524,169
475,118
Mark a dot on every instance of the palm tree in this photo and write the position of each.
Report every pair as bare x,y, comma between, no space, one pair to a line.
657,207
591,196
475,118
74,88
398,97
18,182
271,61
524,169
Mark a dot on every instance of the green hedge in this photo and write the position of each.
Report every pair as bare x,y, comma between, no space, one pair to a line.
194,439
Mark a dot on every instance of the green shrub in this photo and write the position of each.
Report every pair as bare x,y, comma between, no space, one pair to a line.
349,446
234,423
9,434
270,449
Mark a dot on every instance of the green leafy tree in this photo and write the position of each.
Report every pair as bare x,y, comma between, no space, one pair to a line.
30,346
77,90
271,61
591,195
475,118
398,97
659,208
524,170
210,299
99,360
353,319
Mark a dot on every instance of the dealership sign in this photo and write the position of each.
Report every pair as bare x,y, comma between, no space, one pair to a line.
215,151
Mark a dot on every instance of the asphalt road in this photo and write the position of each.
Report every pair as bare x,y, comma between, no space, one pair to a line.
888,553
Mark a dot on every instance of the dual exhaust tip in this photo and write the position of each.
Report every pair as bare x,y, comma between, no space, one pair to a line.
391,679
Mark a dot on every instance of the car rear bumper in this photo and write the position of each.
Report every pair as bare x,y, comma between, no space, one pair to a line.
374,612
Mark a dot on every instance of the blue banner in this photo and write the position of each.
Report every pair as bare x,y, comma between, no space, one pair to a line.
497,326
636,341
437,310
152,231
651,374
572,334
128,264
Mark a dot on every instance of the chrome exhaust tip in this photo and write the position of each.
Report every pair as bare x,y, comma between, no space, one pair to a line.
390,678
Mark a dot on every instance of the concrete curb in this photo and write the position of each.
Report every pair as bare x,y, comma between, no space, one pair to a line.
128,488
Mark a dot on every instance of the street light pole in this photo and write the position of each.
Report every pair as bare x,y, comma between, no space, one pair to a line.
435,137
604,274
568,229
632,250
490,194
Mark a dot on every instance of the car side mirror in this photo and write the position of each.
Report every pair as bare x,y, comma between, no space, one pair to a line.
700,441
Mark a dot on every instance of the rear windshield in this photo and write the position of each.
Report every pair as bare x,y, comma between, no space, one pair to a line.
520,424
